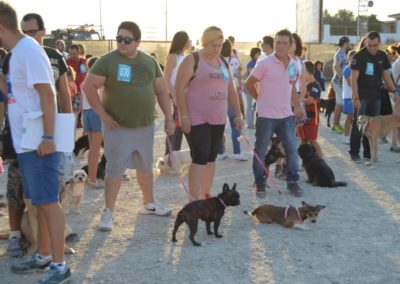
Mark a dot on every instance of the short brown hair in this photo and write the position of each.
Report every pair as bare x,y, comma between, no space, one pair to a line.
309,67
132,27
8,16
285,32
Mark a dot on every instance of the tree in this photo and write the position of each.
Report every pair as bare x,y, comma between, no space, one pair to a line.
345,23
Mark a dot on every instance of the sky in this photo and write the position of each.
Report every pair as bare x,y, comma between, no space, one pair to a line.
247,20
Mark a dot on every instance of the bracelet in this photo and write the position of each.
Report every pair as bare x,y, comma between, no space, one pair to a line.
237,118
47,138
184,116
356,99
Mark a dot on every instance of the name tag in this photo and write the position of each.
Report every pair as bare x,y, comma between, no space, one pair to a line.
124,73
369,70
224,73
292,72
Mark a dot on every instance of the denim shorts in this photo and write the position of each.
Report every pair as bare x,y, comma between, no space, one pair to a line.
91,120
39,177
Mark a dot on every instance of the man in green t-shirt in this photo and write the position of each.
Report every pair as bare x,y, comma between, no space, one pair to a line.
131,80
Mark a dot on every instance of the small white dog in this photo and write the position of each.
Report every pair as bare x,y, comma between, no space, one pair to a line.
72,195
178,162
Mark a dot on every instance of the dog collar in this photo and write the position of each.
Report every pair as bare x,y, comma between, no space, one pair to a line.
297,211
223,203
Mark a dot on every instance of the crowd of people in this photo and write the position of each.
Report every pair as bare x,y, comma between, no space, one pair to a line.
113,97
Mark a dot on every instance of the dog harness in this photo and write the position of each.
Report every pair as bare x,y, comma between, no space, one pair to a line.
297,211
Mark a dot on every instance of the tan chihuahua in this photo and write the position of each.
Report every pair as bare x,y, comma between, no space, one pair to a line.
286,216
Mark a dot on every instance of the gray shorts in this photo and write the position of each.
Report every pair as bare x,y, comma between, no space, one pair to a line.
128,148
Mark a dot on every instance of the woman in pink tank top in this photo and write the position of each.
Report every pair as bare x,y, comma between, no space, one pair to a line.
204,88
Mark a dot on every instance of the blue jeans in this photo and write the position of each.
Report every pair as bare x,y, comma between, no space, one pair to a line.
285,130
39,177
249,110
234,132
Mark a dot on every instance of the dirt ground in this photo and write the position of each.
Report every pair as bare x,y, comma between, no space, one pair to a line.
356,239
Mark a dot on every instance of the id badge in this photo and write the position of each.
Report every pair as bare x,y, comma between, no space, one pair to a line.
224,73
369,70
124,73
292,72
82,68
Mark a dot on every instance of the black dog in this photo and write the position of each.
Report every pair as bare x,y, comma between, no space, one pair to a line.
209,210
274,153
101,168
318,171
82,144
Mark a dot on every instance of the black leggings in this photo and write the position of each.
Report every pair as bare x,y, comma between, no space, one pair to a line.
204,141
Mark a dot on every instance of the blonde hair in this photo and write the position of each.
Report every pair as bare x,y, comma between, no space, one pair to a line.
210,34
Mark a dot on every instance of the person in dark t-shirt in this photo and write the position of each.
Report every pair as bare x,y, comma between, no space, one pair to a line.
368,68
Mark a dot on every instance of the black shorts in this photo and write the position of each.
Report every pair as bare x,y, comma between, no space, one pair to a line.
205,141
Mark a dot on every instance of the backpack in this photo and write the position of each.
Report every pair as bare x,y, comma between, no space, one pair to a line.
196,62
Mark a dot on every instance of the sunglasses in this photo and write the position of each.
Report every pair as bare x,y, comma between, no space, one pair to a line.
126,40
31,32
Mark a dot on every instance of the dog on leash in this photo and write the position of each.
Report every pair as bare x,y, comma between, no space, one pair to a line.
209,210
376,127
288,217
73,192
318,171
179,162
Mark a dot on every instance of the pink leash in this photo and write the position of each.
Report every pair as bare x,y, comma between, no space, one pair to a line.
275,186
173,164
297,211
268,175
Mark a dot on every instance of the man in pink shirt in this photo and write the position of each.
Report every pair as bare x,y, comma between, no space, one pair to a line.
276,75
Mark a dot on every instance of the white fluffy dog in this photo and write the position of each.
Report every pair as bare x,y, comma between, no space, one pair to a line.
179,162
72,195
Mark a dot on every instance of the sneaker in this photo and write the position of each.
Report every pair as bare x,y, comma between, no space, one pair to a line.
346,140
395,149
337,130
125,177
155,208
95,184
294,189
15,248
222,156
355,158
260,193
52,275
29,265
106,220
239,157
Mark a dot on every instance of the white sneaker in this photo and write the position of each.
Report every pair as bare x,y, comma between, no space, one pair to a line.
239,157
222,156
106,220
155,208
346,140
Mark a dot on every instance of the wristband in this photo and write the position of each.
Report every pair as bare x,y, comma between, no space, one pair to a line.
47,138
237,118
184,116
356,99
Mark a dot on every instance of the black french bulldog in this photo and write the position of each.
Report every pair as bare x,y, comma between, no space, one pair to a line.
208,210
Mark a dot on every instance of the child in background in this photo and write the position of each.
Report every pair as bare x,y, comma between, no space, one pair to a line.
348,108
319,75
309,131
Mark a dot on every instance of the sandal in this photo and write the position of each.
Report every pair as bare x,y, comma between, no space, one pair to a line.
95,184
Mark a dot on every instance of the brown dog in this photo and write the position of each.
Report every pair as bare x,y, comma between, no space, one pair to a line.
29,228
287,217
209,210
376,127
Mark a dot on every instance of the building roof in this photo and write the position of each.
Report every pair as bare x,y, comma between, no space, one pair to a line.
396,16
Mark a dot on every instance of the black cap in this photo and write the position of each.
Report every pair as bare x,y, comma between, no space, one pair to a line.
343,40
